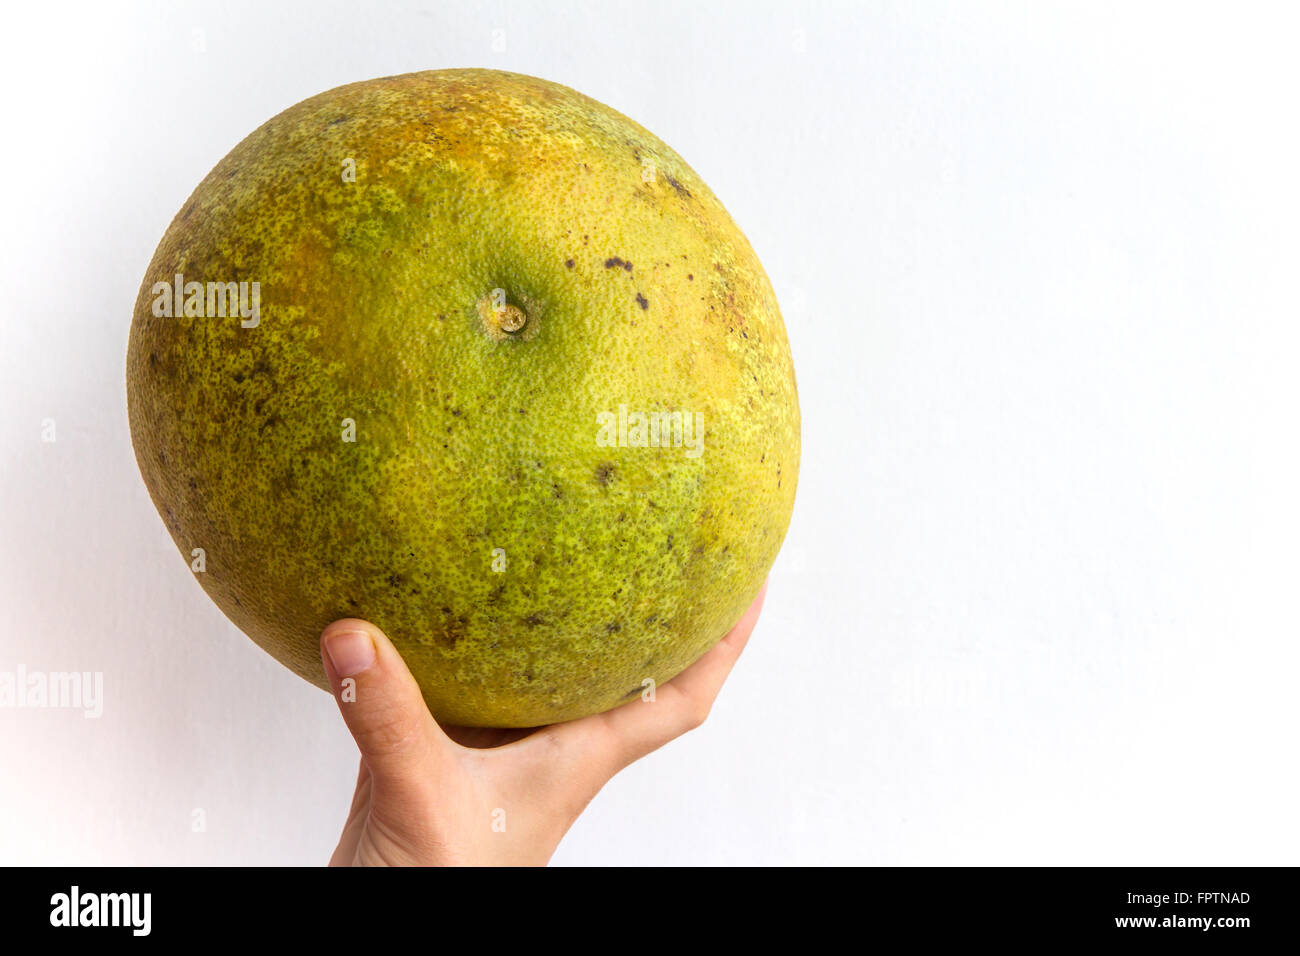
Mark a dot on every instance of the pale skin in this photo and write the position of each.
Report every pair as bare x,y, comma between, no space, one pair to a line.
429,795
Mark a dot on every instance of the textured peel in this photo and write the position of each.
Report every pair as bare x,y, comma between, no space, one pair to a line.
475,443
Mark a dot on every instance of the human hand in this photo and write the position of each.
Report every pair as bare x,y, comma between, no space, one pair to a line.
429,795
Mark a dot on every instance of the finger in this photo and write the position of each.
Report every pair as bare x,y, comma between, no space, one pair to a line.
399,740
345,852
610,741
361,796
698,686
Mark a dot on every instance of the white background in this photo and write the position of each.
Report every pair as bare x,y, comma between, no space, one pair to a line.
1038,264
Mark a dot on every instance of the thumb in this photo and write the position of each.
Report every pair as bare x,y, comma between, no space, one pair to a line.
382,706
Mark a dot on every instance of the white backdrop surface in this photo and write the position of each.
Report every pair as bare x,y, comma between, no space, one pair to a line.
1038,265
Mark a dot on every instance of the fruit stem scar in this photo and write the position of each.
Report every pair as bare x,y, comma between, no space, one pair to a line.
510,318
504,320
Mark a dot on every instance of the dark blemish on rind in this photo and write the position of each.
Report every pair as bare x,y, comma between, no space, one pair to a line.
341,119
633,692
568,263
534,620
642,301
395,580
604,474
614,261
613,627
670,543
528,674
681,190
690,276
451,632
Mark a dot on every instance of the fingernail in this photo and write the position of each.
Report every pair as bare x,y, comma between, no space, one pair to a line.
351,652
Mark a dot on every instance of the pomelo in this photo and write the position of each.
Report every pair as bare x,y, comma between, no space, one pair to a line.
474,357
